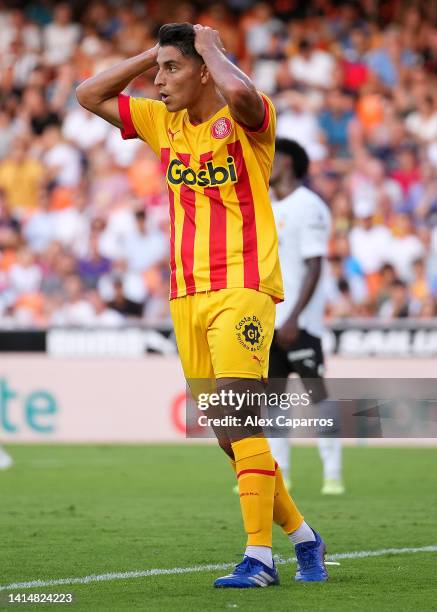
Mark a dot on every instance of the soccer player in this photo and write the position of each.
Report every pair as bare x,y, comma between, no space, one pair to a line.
214,134
303,222
5,459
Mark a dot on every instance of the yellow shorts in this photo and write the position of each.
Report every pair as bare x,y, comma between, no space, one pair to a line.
225,333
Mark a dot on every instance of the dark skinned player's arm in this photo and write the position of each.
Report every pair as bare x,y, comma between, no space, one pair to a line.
99,94
314,268
245,103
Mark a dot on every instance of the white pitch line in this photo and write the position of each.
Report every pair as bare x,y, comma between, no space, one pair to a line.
359,554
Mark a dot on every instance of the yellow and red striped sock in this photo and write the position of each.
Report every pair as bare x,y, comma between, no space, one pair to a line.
255,469
285,511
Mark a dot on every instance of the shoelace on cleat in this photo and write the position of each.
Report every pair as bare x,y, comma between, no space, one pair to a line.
307,557
243,567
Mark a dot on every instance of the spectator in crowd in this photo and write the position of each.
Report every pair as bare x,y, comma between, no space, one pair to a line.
344,306
312,67
21,177
57,263
421,202
354,65
71,225
422,123
108,183
84,129
39,230
297,121
335,122
7,132
61,159
36,111
389,60
260,28
351,269
369,241
407,172
60,36
14,23
396,306
75,308
10,229
428,309
368,182
25,275
145,248
18,62
84,214
404,247
104,315
93,265
120,303
386,278
420,289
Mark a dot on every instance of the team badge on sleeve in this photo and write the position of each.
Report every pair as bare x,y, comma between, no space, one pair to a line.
221,128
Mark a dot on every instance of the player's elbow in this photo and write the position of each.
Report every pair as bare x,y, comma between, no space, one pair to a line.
246,105
314,265
84,95
240,94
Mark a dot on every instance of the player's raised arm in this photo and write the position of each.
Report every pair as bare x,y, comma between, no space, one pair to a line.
245,103
99,94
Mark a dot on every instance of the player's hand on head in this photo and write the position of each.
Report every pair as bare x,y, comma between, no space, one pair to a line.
155,50
206,38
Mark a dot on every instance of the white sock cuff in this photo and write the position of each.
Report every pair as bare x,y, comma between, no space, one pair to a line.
262,553
304,533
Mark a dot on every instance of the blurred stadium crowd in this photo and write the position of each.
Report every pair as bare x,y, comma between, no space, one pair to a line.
83,214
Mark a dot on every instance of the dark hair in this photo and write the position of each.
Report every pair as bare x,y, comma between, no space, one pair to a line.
387,267
398,283
179,35
140,215
298,156
343,285
304,45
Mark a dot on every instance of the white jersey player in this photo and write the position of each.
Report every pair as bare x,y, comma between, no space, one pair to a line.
303,222
5,460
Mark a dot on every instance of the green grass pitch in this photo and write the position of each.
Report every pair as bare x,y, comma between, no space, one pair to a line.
71,511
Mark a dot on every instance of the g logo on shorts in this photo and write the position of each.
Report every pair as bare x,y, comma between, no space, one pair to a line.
250,333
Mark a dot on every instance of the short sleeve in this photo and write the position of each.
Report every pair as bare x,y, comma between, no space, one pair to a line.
267,130
142,118
314,234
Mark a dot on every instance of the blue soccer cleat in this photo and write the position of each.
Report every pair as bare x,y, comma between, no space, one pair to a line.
311,561
248,574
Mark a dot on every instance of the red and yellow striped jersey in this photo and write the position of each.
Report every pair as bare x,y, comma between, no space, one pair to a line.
222,229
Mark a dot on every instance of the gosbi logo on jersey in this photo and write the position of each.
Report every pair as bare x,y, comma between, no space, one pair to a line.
209,175
221,128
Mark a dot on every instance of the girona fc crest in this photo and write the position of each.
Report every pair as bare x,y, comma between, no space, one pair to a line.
221,128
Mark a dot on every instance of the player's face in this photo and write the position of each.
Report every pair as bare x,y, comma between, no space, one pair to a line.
179,78
281,166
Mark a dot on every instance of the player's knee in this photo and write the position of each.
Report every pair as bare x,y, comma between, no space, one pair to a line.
226,446
242,400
